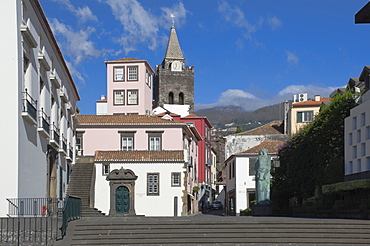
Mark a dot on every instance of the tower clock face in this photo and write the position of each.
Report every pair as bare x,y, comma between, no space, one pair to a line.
176,66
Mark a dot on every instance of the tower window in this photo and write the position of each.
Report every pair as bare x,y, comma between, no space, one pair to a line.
170,98
132,73
119,97
119,73
181,98
132,97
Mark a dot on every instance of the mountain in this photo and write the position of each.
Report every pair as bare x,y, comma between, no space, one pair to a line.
219,116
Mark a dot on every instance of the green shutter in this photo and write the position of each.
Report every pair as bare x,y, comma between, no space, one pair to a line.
299,117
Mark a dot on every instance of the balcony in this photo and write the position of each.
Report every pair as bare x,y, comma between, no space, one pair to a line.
44,124
54,136
29,109
63,145
209,162
70,153
44,59
63,94
70,108
29,33
54,78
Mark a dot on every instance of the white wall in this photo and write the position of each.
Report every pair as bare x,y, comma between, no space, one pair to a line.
162,205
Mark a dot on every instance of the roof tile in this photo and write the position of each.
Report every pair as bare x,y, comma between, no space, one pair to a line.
274,127
139,156
271,146
123,120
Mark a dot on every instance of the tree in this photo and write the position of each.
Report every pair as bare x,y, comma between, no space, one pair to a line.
314,156
238,129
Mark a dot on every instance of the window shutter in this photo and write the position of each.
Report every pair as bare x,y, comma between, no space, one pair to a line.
299,117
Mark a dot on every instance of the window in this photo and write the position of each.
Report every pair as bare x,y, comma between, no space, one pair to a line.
358,169
119,97
132,97
354,152
132,73
170,98
363,149
127,140
363,119
367,163
119,74
354,123
367,132
153,184
181,98
148,78
358,136
229,170
155,140
350,139
79,142
252,166
105,169
350,167
175,179
305,116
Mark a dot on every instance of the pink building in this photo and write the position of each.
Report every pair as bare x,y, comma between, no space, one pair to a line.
129,87
158,152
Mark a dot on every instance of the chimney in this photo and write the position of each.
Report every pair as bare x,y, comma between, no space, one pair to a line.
317,98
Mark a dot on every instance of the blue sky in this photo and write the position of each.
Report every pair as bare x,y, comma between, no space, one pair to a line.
246,53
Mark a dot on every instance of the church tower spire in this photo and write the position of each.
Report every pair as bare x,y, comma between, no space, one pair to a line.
173,81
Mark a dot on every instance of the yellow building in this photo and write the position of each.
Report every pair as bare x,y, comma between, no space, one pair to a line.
302,113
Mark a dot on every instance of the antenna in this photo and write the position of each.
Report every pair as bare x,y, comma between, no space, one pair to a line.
173,20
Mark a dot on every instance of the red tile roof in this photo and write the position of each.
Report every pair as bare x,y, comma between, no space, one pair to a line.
274,127
271,146
193,116
124,120
139,156
312,102
126,59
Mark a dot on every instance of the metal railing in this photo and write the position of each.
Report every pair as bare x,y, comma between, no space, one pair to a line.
70,152
44,121
64,144
29,105
54,134
31,221
71,211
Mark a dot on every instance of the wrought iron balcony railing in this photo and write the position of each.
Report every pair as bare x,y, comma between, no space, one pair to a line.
29,110
54,136
63,145
44,123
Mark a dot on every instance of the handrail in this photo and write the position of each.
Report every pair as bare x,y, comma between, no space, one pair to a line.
71,211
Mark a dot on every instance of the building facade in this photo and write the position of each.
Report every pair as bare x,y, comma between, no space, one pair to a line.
129,88
40,106
240,176
357,135
157,155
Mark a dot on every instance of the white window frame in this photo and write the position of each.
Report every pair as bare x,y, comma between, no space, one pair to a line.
132,97
307,116
117,100
175,179
105,169
119,74
132,73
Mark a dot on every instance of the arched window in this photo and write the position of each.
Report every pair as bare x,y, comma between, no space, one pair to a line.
170,98
181,98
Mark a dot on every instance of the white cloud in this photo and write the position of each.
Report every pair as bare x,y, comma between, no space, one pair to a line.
236,16
274,22
291,58
140,26
84,14
75,44
249,102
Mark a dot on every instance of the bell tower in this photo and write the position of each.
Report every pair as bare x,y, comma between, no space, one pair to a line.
174,81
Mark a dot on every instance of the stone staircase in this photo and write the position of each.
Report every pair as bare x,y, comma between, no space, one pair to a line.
216,230
80,185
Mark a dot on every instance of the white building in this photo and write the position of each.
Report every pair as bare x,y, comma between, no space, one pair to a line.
240,176
39,99
357,136
239,142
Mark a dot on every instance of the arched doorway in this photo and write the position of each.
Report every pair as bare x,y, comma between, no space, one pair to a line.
122,192
181,98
